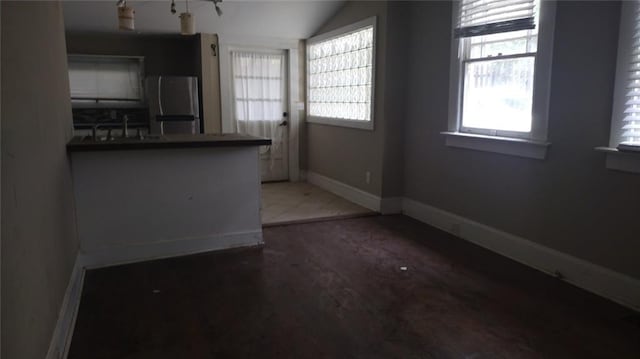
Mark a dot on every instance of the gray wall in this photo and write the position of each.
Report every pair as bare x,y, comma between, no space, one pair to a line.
569,201
395,94
345,154
164,54
39,241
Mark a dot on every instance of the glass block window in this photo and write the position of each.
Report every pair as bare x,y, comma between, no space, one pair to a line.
340,75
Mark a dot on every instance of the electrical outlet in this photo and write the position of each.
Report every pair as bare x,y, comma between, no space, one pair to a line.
367,177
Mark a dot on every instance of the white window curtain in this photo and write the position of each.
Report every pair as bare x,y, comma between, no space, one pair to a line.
259,97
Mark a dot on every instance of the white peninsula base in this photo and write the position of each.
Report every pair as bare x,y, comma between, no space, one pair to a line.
142,204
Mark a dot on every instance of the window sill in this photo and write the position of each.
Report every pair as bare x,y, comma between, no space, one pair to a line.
363,125
621,160
503,145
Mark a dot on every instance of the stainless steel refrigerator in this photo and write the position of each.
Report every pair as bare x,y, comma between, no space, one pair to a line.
173,104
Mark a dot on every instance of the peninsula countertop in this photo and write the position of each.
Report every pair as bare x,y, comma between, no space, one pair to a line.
87,143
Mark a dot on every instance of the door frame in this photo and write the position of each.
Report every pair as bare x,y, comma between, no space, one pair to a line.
295,103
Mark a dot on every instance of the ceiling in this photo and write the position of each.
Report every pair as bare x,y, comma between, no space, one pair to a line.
282,19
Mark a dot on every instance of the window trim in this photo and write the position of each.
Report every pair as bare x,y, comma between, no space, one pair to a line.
342,31
541,94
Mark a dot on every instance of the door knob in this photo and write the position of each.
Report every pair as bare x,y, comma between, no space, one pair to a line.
283,123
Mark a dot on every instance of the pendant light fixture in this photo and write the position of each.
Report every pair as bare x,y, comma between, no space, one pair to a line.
216,4
125,16
187,22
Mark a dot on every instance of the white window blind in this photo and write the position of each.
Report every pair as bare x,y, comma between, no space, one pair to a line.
497,66
96,78
341,76
631,116
483,17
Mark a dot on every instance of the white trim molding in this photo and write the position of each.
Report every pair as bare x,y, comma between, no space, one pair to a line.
367,200
113,255
519,147
63,331
599,280
621,160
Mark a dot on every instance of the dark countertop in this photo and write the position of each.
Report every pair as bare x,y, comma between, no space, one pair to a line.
86,143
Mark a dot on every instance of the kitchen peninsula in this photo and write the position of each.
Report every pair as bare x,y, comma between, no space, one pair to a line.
145,198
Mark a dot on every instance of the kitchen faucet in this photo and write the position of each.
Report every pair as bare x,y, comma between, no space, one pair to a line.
125,132
94,131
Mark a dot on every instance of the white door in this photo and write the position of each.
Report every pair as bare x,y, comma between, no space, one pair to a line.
260,106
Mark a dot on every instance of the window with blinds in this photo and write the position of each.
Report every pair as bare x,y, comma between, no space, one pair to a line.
498,45
483,17
105,79
631,118
625,118
340,67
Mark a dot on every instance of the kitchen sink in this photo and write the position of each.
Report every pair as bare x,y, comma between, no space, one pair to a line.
122,139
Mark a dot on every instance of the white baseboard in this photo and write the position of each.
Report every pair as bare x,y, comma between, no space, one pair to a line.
355,195
602,281
61,338
109,256
365,199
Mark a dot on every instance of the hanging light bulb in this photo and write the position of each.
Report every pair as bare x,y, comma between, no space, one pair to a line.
125,16
217,6
187,22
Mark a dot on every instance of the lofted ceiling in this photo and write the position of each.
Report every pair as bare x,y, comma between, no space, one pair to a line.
281,19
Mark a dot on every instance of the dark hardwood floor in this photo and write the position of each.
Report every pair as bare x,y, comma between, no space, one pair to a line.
336,290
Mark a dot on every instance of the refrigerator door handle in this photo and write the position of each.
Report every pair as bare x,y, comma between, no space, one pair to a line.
160,94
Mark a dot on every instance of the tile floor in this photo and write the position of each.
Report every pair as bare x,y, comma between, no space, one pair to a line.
295,202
